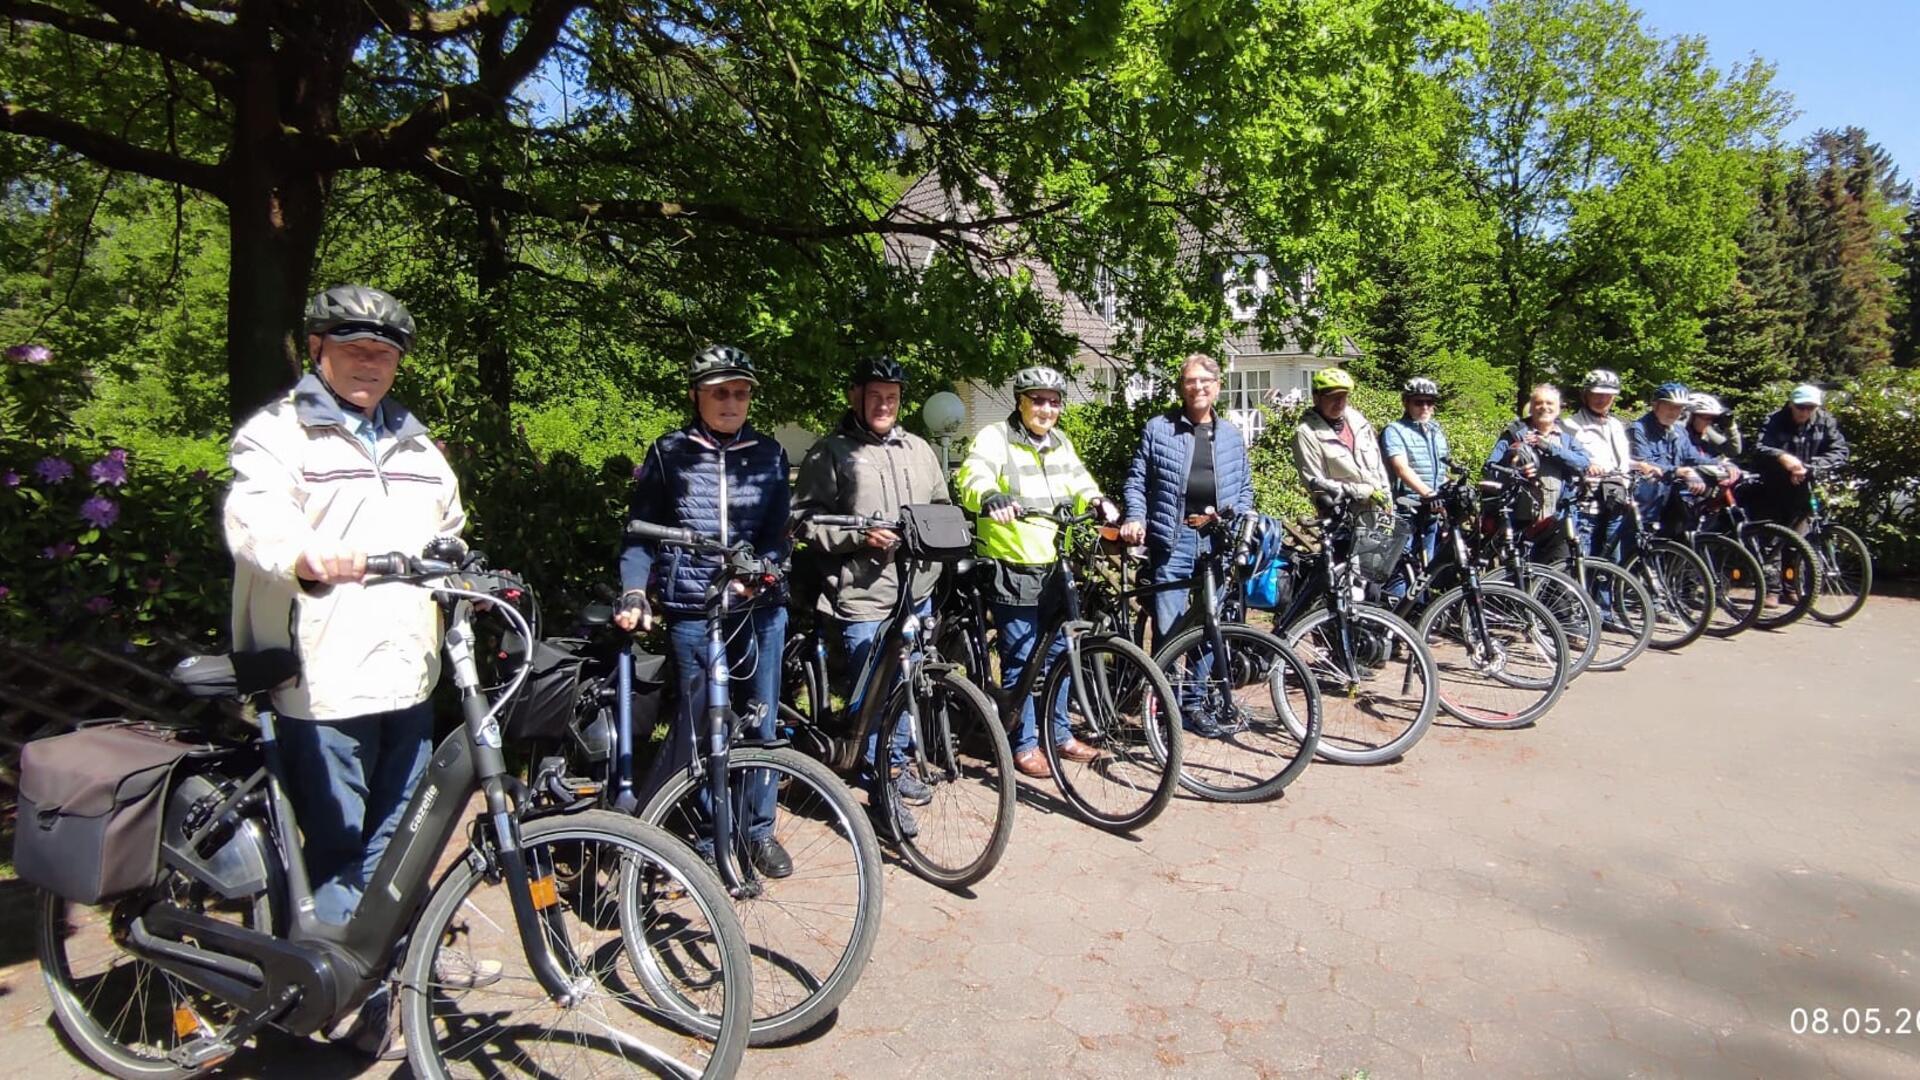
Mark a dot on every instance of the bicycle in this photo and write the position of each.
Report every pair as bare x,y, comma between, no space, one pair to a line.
226,943
1787,562
1236,683
1502,658
1500,546
1114,697
810,933
954,745
1626,604
1845,574
1377,682
1739,580
1678,582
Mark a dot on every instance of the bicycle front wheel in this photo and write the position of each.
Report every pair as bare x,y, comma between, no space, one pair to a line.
1792,569
1131,720
1577,613
1502,657
1377,683
1682,590
1626,613
1846,573
661,983
965,762
812,931
1239,745
1739,585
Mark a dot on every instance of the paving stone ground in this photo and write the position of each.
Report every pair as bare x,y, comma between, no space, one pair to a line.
1649,883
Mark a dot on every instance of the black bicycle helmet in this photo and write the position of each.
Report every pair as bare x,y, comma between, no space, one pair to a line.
1039,377
721,363
879,369
352,312
1420,386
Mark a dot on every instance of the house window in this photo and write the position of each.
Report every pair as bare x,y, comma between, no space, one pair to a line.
1244,393
1247,285
1106,294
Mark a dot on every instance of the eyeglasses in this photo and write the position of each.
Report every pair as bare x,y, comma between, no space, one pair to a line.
1204,380
1423,402
721,393
1049,401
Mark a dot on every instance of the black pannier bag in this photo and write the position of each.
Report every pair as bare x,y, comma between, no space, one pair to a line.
92,803
545,707
937,532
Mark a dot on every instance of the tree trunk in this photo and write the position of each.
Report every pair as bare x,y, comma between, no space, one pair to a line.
493,275
273,234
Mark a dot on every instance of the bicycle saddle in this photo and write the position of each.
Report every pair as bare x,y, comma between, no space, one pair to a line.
236,674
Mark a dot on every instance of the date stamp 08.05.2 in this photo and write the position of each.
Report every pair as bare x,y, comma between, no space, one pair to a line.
1870,1020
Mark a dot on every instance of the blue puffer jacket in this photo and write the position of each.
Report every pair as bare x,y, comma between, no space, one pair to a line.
679,483
1156,491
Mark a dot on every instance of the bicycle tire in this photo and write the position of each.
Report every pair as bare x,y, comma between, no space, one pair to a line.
970,772
827,834
1848,585
1503,666
1212,761
1739,585
1577,612
1792,569
1682,590
1626,613
584,843
60,927
1138,737
1403,717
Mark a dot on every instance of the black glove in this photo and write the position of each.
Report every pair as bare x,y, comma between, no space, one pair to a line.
636,600
996,502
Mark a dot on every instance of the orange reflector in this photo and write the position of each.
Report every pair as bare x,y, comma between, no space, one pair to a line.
186,1022
545,893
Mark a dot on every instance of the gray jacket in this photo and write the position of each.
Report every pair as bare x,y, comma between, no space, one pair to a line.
854,471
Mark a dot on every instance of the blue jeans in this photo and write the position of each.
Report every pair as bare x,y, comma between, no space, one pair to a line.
1607,535
858,639
1169,606
1018,625
349,782
753,653
1425,539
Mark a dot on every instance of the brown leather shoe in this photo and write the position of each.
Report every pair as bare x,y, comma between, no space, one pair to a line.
1075,750
1032,763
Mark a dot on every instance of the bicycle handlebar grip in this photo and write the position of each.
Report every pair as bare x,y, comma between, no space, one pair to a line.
647,530
392,565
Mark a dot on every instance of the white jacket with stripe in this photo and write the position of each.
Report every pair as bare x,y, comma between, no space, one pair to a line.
301,474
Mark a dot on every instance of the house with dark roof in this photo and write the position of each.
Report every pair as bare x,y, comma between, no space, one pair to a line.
1254,374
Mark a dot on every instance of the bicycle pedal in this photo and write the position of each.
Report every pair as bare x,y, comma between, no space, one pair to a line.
202,1053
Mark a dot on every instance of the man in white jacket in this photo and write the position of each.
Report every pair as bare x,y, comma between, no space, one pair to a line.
323,477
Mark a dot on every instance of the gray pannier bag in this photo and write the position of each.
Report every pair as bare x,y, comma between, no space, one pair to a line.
92,803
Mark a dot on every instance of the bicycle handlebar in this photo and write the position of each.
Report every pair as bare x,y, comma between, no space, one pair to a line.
852,521
668,534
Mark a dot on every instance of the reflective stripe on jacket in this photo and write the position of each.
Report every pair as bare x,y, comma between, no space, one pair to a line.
302,475
1004,458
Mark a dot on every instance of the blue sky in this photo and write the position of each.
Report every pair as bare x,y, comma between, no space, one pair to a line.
1844,61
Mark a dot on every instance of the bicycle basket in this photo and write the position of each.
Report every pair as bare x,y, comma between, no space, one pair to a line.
936,532
1377,548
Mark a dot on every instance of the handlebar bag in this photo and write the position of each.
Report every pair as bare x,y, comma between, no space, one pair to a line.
545,707
937,532
92,803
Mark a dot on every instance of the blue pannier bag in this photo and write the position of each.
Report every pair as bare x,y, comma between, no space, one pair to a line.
1270,580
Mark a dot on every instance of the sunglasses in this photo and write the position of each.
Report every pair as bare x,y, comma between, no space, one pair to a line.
721,393
1419,401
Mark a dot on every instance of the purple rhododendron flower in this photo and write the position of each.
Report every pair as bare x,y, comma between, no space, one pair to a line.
100,512
152,584
11,479
53,470
5,592
201,474
111,469
98,605
62,550
30,354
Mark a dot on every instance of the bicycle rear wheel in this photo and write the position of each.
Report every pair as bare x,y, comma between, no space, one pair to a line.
659,964
811,932
1626,613
1739,585
966,763
1682,590
1792,569
1846,573
1377,682
1502,657
1239,746
1134,724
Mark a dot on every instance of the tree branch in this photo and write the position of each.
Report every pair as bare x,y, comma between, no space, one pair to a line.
394,145
114,33
112,151
171,30
399,18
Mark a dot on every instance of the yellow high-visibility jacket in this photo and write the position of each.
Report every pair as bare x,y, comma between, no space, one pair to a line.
1003,457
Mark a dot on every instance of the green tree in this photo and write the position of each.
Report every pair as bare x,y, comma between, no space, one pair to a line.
1906,344
1752,331
1847,201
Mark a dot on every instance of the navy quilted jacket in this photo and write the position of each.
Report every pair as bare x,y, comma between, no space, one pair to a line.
1156,491
679,483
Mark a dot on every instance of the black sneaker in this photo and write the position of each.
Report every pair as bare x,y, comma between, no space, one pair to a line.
910,788
894,821
770,858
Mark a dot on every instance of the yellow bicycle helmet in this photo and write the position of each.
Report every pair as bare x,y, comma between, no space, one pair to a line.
1332,380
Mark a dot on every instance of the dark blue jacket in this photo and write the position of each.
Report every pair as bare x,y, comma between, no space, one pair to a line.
1156,490
1817,443
1669,448
678,483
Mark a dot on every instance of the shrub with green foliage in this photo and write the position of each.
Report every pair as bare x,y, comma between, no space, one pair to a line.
1879,413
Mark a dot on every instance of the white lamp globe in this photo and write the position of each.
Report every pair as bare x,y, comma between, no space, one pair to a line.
944,412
